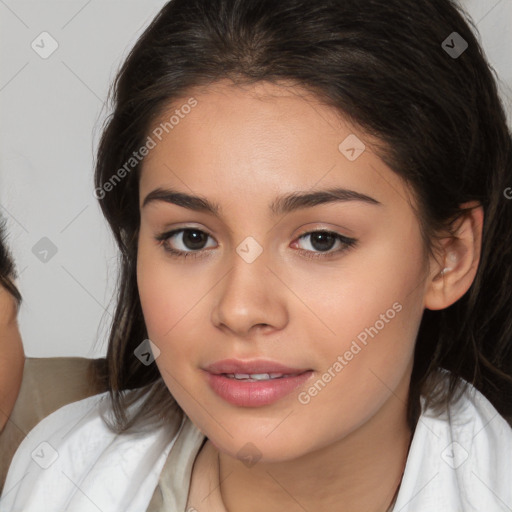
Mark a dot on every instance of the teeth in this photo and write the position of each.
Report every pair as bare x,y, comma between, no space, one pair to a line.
252,377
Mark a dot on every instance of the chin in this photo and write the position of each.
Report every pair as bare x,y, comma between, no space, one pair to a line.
251,445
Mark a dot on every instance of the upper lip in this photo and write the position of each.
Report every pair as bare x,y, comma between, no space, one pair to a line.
251,367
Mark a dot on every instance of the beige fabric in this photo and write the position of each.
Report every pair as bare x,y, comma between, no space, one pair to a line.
47,385
174,482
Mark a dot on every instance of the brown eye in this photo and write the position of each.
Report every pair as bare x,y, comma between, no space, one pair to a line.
192,241
323,241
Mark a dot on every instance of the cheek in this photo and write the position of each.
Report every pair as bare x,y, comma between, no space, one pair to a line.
159,301
171,305
364,364
374,322
361,296
154,295
163,291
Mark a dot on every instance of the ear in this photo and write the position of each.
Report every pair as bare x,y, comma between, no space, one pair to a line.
453,270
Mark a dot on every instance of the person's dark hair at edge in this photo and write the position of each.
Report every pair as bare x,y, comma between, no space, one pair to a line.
7,268
380,63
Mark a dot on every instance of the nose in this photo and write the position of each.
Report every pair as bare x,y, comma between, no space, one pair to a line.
250,299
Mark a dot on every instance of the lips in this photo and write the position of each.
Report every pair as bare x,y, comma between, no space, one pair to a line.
254,383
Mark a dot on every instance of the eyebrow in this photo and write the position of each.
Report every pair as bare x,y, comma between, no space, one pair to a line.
281,205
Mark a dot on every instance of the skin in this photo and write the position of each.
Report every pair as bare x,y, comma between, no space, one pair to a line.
12,357
241,147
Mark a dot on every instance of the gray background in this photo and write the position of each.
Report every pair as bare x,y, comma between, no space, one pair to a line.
52,110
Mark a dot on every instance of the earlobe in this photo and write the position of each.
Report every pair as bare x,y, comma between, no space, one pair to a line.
451,279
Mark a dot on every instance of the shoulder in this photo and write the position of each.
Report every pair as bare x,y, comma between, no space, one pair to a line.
480,449
483,436
459,460
483,439
72,459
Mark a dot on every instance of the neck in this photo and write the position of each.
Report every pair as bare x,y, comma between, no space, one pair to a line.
362,471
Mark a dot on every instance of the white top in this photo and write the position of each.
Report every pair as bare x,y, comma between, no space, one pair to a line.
461,462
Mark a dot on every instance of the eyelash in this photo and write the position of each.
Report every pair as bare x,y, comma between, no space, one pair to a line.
163,238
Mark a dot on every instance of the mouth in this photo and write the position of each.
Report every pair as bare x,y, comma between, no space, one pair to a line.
256,368
254,383
257,377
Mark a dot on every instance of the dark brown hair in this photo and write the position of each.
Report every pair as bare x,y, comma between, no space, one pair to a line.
382,64
7,268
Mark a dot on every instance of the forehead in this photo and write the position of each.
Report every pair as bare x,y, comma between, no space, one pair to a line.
245,140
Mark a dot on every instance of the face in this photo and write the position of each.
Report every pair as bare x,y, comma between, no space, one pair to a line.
314,308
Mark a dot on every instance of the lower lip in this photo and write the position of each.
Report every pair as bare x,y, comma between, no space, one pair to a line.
257,393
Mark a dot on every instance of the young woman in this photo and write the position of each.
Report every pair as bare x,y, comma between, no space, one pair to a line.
12,357
314,310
